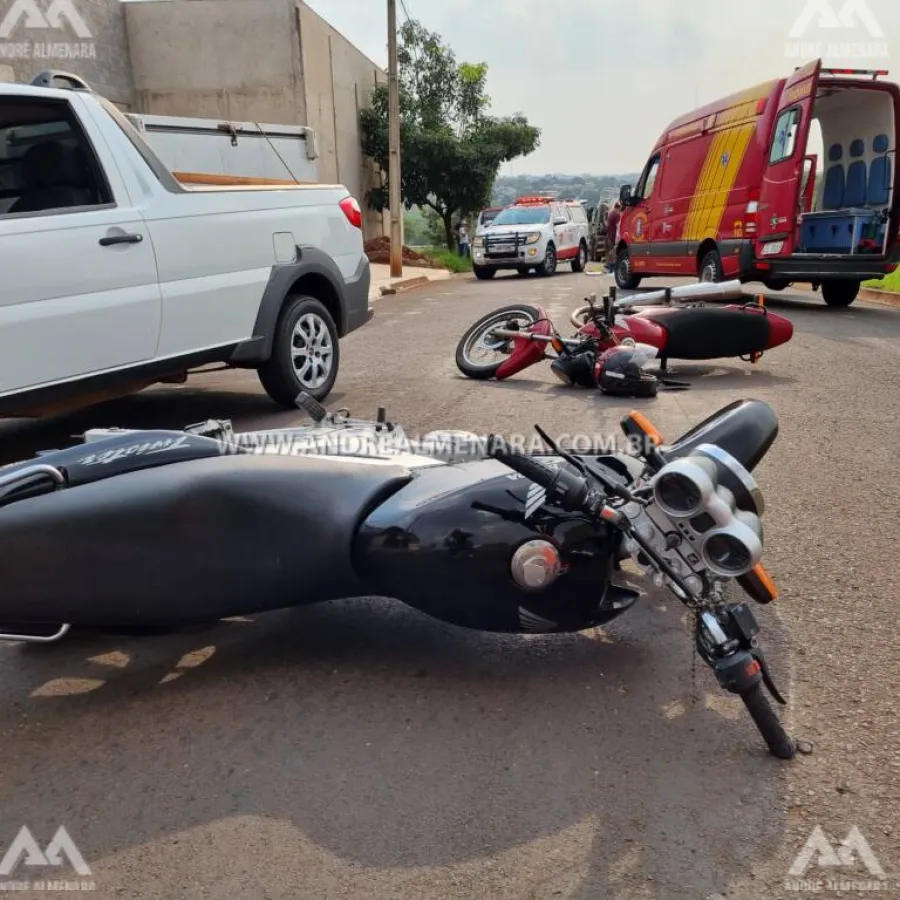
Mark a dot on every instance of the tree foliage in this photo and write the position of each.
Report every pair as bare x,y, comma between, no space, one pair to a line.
450,147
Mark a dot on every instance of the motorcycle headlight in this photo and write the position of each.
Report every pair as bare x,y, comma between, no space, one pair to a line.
732,475
731,551
684,487
532,238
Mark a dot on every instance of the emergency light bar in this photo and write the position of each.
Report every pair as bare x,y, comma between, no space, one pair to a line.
533,201
873,72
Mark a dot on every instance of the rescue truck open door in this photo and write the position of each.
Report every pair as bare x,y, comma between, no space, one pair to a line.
780,202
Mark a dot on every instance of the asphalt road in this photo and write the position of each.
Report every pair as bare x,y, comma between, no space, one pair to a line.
359,750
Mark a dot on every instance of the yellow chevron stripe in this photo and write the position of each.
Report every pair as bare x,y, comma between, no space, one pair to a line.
707,173
707,219
719,182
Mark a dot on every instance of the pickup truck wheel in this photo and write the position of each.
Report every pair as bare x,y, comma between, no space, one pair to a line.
549,265
580,262
483,273
305,353
840,293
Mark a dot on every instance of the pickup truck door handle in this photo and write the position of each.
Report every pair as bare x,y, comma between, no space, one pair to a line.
111,239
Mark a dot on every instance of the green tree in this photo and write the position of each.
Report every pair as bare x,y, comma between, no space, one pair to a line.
451,148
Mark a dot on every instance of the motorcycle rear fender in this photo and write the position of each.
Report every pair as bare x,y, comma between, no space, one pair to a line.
525,352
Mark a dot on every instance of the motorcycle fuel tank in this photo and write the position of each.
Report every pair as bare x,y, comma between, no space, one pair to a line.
445,545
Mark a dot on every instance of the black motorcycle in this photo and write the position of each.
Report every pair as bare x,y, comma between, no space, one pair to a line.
137,530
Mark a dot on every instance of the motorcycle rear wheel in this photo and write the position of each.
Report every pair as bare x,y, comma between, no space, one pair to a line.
514,316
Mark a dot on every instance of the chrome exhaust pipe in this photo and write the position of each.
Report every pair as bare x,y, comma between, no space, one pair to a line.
704,290
36,638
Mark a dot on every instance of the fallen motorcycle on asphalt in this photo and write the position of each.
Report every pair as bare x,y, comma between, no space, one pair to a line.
140,530
673,324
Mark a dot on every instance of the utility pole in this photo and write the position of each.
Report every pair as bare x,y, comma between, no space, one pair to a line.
394,201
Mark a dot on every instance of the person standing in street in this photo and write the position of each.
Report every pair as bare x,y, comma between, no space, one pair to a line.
465,248
612,233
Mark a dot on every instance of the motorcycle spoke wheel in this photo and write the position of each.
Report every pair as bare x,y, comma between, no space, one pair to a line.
480,353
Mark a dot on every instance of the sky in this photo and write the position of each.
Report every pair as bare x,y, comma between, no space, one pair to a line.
603,78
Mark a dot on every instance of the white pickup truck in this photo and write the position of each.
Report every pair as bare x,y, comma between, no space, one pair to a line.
114,275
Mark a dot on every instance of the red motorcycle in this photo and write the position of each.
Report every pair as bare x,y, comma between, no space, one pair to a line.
674,321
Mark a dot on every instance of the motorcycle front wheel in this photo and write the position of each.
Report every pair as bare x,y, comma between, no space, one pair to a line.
478,339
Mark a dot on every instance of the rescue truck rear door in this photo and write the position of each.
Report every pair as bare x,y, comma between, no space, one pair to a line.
779,199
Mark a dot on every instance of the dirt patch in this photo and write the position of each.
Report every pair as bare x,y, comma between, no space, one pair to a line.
379,251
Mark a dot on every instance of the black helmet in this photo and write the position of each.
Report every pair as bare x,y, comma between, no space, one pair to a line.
577,369
619,372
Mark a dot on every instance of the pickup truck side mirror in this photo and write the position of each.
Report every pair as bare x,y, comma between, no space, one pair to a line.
625,195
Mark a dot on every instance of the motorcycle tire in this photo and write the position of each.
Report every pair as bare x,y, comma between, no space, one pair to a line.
777,740
479,330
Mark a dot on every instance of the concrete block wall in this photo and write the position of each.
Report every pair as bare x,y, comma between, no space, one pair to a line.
102,59
272,61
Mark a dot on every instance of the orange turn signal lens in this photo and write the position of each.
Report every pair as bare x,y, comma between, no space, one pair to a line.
557,345
759,585
643,424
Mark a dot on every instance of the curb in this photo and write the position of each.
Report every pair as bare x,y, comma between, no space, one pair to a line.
400,286
883,298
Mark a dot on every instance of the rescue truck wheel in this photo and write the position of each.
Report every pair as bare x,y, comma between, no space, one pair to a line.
711,267
579,263
626,280
483,273
840,293
548,267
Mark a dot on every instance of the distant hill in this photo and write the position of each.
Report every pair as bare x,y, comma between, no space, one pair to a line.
569,187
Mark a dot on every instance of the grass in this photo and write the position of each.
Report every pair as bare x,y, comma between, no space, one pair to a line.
448,259
889,283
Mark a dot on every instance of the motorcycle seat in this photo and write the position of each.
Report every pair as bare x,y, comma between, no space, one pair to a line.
221,536
711,333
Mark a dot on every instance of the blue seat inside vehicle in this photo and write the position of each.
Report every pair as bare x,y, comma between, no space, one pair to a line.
857,175
833,194
880,173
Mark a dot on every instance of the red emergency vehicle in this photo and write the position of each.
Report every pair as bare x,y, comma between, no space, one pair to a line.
730,190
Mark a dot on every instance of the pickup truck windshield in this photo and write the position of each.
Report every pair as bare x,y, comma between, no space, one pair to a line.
523,215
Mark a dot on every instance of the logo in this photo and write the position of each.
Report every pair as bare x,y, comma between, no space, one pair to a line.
726,158
639,227
57,12
534,500
25,853
852,14
32,17
849,866
825,18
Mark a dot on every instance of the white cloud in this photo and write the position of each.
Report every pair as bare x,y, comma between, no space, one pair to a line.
602,78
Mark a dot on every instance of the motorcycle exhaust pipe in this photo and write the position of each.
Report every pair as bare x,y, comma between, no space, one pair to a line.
705,290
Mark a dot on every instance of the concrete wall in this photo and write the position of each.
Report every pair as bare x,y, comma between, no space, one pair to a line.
219,58
101,57
338,80
271,61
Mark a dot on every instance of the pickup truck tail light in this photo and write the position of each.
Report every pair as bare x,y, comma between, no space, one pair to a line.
352,211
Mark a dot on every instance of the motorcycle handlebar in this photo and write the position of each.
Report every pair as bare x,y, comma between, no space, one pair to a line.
519,462
564,486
